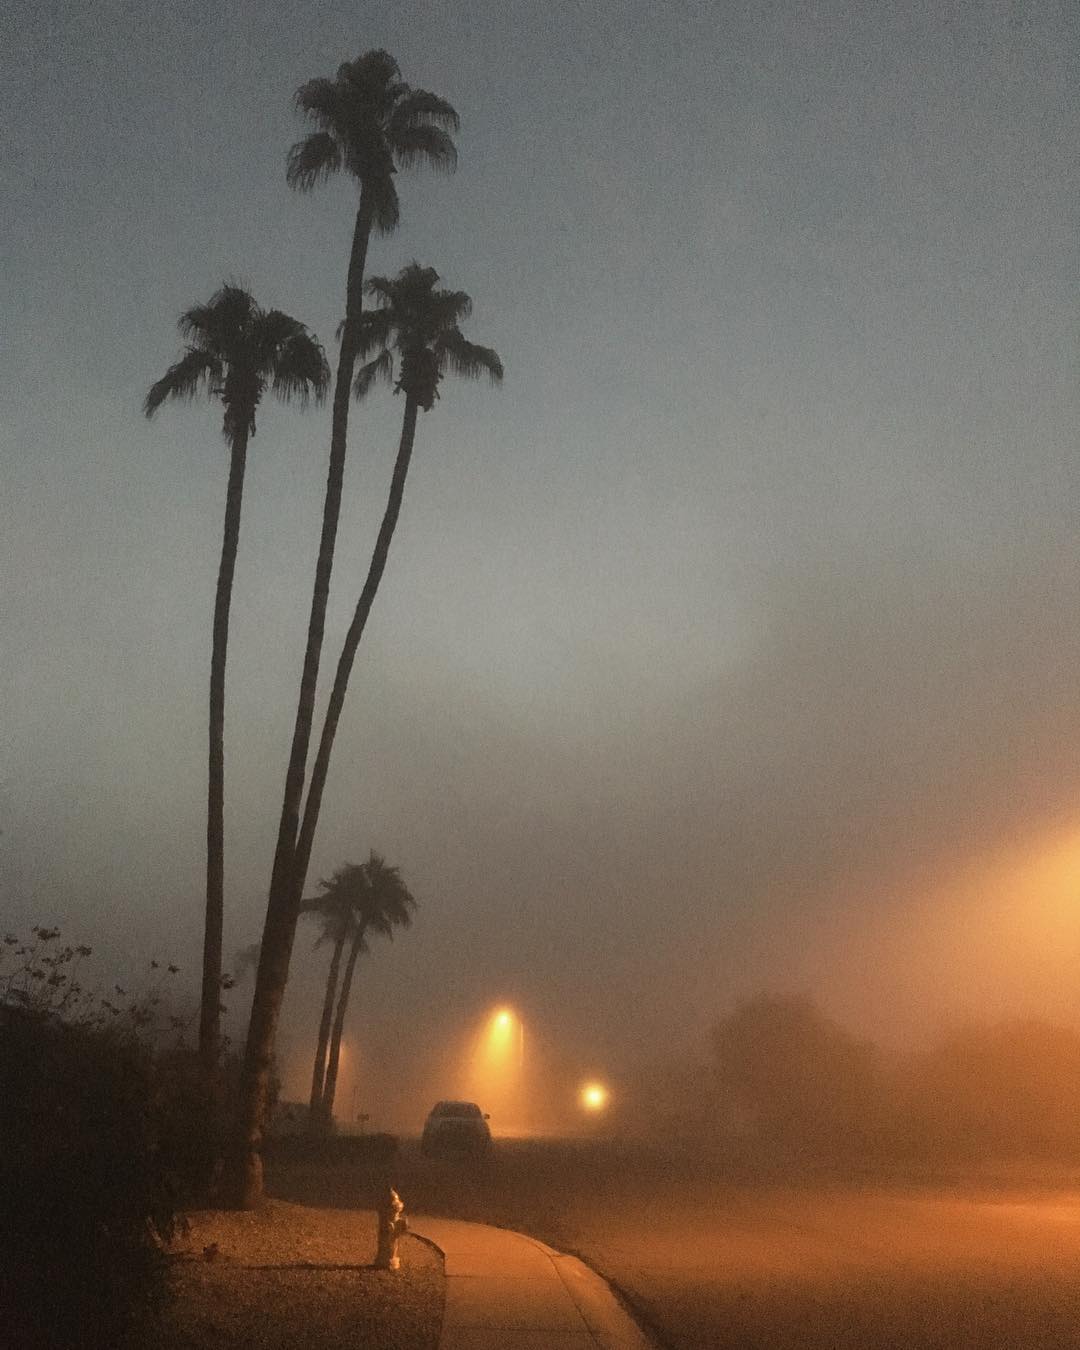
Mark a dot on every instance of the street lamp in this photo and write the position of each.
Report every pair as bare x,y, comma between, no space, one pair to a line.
594,1097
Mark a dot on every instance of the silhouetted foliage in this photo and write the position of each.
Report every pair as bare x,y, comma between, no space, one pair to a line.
107,1126
415,329
82,1190
790,1085
1003,1091
381,902
417,325
79,1183
798,1080
336,909
235,349
367,123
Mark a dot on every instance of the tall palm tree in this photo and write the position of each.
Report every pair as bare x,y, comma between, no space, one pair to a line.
415,330
234,349
337,908
368,124
383,903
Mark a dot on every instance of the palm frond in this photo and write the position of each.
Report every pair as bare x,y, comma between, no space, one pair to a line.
420,322
446,309
272,330
376,330
468,359
413,145
321,100
374,69
312,161
300,370
418,108
382,288
389,902
415,281
382,368
222,322
195,369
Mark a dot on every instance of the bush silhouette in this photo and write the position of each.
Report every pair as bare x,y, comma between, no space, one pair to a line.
80,1185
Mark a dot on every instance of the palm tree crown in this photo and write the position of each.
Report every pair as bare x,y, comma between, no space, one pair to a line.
381,902
420,324
387,902
370,123
369,897
234,349
336,907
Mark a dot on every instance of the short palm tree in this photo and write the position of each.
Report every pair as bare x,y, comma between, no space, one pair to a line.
382,902
368,124
414,331
336,908
234,350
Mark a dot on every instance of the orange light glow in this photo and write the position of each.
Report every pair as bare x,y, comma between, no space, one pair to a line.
496,1063
594,1096
501,1047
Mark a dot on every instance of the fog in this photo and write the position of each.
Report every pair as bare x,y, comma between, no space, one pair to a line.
729,649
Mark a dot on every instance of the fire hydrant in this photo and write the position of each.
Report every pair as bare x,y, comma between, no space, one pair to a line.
392,1225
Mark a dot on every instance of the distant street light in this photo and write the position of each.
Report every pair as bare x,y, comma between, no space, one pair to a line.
504,1028
594,1097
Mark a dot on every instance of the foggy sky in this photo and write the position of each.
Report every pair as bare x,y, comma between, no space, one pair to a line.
732,643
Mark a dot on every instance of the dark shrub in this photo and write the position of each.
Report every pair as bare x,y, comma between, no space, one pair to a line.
1003,1091
378,1149
191,1120
80,1186
797,1082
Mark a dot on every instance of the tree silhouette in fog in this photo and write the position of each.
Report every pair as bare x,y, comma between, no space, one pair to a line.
1010,1089
382,902
337,909
367,124
234,351
415,331
797,1081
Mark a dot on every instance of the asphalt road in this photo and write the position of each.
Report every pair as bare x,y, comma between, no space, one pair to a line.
834,1269
723,1263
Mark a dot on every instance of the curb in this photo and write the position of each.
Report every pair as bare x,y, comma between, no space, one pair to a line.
648,1331
593,1295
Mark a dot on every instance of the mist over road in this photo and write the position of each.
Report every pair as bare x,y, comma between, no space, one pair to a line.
713,1260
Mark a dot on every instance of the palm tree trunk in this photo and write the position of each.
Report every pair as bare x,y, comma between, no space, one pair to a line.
352,642
330,1087
318,1074
210,1004
283,904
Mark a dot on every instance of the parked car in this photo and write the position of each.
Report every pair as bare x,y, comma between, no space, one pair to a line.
456,1127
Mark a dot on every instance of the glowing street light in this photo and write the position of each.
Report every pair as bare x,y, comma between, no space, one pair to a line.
505,1034
496,1067
594,1097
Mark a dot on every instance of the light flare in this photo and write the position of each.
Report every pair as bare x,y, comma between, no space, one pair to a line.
594,1097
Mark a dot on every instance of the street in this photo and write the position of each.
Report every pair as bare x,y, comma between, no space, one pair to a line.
734,1264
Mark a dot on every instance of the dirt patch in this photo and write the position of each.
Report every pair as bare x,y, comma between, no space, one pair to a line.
289,1277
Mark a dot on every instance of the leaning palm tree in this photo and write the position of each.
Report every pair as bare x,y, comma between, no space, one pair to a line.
368,124
234,350
383,903
337,909
415,331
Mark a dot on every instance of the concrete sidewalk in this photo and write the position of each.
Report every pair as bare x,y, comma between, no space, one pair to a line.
506,1291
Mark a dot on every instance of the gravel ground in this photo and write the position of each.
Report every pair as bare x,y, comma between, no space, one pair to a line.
289,1277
